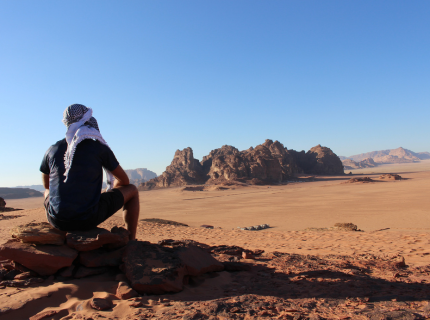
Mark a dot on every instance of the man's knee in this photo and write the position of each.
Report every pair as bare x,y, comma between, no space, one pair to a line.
129,192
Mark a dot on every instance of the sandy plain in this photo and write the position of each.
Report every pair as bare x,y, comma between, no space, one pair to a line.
394,217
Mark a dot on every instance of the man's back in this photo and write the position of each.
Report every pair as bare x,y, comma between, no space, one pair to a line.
78,198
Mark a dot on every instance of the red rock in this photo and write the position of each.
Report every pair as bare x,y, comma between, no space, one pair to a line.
68,272
154,269
39,233
43,259
92,239
124,292
101,257
100,304
44,315
83,272
206,226
198,261
247,255
22,276
124,235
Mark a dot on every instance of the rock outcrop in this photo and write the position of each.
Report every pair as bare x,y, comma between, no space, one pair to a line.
349,164
183,170
154,269
319,160
267,163
2,203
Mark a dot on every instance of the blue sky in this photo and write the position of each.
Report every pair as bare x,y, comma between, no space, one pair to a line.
165,75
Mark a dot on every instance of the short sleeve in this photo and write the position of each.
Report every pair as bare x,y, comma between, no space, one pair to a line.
108,158
44,166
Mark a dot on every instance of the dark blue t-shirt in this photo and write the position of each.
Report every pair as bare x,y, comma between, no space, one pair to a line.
78,198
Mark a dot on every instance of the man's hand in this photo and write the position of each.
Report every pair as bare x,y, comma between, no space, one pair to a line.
45,179
121,178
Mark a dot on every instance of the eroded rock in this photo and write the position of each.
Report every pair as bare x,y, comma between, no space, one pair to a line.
154,269
101,257
43,259
124,292
39,233
95,238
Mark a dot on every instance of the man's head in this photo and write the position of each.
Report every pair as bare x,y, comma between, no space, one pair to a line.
74,113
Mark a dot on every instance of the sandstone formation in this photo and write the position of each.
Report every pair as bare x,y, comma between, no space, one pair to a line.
267,163
43,259
154,269
390,176
95,238
39,233
2,203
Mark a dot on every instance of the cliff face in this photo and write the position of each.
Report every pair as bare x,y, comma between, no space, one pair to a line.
269,162
183,170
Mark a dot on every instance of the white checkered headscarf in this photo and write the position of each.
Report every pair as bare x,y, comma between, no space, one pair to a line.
81,125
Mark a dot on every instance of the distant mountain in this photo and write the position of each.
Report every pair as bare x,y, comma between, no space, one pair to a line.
399,155
19,193
349,164
37,187
140,175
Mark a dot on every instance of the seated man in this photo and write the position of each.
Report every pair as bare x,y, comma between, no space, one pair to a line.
73,176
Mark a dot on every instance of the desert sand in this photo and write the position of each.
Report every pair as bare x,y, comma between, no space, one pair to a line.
393,216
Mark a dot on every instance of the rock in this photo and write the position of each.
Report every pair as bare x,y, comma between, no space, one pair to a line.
2,203
345,226
39,233
44,315
267,163
318,160
43,259
100,304
101,257
183,170
11,275
124,238
124,292
153,269
68,272
360,179
23,276
83,272
94,239
390,176
247,255
206,226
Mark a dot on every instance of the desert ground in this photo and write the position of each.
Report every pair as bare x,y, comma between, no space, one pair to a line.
393,218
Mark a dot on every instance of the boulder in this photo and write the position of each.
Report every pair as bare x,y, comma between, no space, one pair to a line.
153,269
95,238
101,257
43,259
124,292
39,233
100,304
2,203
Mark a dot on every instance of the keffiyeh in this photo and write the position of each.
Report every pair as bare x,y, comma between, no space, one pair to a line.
81,125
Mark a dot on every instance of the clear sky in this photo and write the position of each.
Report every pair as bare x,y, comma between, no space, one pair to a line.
165,75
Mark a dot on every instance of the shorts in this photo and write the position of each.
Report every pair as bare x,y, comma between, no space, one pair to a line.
109,203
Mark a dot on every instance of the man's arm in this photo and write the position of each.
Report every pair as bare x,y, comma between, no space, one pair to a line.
121,178
45,179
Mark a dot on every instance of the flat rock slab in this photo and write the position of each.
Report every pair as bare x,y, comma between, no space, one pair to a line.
153,269
101,257
39,233
96,238
41,258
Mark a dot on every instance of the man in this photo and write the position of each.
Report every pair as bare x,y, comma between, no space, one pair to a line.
73,176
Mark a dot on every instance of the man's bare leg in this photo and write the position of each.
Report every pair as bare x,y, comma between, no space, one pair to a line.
131,208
